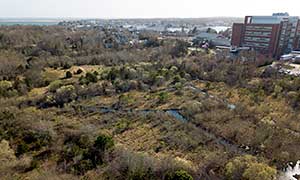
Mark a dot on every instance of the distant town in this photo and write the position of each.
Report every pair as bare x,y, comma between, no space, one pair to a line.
276,36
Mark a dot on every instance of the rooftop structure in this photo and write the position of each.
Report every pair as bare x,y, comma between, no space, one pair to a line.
214,39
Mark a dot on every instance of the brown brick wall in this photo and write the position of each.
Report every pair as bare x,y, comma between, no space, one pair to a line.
237,34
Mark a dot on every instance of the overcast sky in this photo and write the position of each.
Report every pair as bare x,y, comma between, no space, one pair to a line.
144,8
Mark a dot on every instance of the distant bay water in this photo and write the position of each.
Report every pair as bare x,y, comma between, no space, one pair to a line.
24,22
28,23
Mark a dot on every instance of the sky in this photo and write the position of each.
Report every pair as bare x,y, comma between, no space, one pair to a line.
143,8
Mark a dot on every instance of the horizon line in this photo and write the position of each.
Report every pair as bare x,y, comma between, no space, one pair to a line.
111,18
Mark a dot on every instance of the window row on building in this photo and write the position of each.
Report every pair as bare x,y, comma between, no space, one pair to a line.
256,44
258,39
260,28
258,33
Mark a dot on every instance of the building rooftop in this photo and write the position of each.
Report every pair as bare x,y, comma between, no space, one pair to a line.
276,18
266,19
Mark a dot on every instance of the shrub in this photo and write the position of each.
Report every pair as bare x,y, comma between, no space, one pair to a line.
79,71
91,78
69,89
122,126
34,78
68,75
293,98
82,166
67,66
96,73
6,153
132,74
32,141
247,167
176,79
65,94
179,175
6,89
132,165
178,86
113,74
174,69
162,97
20,86
122,86
179,49
22,148
74,154
159,80
104,142
151,42
141,174
10,64
259,171
8,160
82,80
53,86
101,145
33,165
80,154
5,86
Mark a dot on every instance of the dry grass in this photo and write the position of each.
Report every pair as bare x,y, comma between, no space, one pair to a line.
141,138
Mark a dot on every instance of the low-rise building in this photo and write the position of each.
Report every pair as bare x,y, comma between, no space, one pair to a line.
213,39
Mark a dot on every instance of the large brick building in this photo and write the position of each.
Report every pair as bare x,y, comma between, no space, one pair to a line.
270,35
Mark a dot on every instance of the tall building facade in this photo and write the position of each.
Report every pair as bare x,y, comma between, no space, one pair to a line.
270,35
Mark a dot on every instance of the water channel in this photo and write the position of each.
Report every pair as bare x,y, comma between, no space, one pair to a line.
286,174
